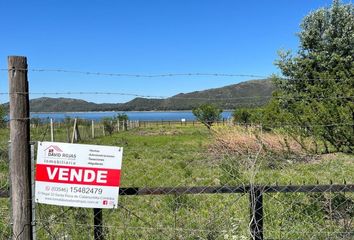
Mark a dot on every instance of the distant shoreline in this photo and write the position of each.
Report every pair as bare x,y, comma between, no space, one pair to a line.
132,115
225,110
113,111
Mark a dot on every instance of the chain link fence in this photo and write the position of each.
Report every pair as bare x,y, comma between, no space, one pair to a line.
182,181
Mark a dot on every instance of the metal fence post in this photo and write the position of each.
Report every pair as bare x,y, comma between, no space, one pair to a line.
97,223
256,212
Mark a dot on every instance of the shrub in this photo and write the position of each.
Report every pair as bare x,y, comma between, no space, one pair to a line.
108,125
207,114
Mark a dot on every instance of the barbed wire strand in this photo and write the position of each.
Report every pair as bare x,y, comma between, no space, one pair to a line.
137,75
188,74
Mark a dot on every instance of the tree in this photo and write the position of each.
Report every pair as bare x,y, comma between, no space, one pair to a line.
108,125
207,114
123,118
36,122
317,93
242,116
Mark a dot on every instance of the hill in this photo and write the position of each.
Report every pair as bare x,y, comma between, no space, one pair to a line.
246,94
251,93
46,104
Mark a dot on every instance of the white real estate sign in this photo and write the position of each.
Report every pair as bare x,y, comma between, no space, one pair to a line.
78,175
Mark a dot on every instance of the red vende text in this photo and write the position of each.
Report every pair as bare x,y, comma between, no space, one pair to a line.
78,175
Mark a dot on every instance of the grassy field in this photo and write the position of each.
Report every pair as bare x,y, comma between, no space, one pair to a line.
172,156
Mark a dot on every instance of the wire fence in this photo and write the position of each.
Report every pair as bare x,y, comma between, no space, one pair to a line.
164,75
198,196
221,98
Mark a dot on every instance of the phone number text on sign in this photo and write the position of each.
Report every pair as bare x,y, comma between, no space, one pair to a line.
78,175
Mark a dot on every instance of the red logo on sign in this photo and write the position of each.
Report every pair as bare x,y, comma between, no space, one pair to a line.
53,148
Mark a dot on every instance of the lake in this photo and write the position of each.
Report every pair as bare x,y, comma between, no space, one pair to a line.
142,116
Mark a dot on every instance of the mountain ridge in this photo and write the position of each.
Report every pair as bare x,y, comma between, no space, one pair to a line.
251,93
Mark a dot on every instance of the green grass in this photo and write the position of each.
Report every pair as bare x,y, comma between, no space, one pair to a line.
172,156
162,157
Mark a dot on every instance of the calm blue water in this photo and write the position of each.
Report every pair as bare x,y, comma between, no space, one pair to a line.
142,116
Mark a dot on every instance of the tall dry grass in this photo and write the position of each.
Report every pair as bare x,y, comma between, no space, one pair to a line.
240,141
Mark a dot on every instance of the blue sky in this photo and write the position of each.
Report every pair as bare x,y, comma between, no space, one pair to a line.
146,37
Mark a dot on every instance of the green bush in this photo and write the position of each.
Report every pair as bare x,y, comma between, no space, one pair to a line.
207,114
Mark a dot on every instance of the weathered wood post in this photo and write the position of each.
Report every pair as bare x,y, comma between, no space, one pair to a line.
93,128
51,130
20,164
76,134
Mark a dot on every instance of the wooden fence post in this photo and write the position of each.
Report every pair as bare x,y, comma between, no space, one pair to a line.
256,212
20,165
51,130
76,133
74,128
93,128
